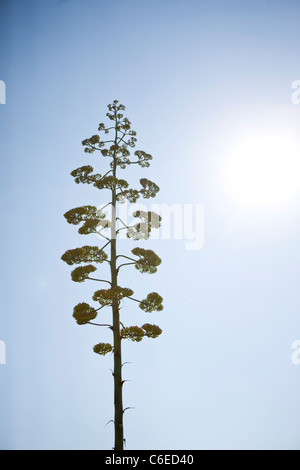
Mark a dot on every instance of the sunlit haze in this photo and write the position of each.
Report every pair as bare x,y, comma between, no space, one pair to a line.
262,169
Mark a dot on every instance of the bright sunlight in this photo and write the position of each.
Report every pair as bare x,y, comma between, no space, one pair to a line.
262,170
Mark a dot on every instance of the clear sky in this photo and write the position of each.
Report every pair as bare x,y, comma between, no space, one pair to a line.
200,80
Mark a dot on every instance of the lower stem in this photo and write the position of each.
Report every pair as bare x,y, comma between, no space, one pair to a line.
118,383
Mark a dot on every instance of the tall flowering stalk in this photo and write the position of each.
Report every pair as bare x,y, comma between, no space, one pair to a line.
117,150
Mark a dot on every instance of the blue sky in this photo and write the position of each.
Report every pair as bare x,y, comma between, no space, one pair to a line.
193,76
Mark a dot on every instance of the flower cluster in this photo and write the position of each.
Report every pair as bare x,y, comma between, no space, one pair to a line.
142,229
143,158
135,333
119,149
85,254
111,182
84,313
152,302
148,261
151,331
106,296
103,348
81,273
89,215
83,174
131,195
90,143
149,188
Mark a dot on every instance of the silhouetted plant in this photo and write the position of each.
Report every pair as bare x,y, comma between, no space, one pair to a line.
92,221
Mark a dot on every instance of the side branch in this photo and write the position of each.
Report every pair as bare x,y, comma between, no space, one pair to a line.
124,264
101,249
109,171
106,238
100,324
102,306
131,298
104,206
118,218
100,280
127,257
124,228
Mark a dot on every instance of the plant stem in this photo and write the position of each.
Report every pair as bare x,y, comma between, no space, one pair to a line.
118,398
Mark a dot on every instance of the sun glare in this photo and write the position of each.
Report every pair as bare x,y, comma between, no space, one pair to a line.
263,170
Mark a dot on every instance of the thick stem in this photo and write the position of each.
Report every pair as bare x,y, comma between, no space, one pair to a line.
118,396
